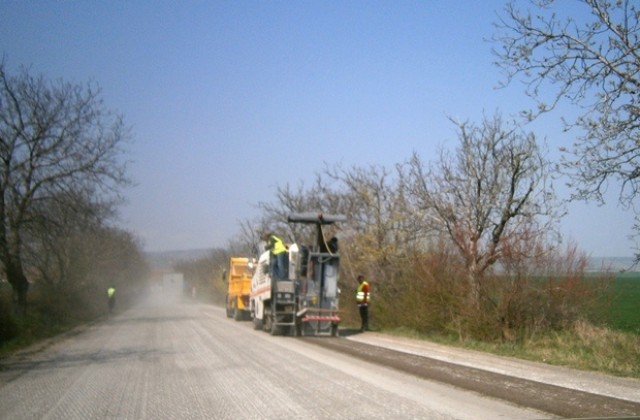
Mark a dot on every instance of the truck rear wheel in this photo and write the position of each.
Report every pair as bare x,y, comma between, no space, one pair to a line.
229,311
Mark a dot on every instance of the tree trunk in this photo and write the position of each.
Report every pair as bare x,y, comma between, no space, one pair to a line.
474,287
20,285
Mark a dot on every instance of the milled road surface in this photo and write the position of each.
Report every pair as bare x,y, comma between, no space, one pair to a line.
170,360
582,395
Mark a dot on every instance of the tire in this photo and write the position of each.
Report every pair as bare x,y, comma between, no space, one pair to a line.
237,314
334,330
266,321
257,324
275,330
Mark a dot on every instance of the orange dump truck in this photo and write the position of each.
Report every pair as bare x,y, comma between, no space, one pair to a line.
238,278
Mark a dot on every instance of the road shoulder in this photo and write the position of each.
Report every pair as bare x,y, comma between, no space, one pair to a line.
591,382
559,391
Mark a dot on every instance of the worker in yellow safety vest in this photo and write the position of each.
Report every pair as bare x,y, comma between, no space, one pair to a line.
111,295
362,299
278,260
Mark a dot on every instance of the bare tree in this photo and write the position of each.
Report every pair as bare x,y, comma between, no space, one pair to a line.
589,54
56,139
50,238
374,197
321,196
492,190
380,233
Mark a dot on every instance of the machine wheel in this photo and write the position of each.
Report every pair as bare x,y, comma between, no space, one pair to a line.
274,329
266,322
308,330
257,324
237,314
334,330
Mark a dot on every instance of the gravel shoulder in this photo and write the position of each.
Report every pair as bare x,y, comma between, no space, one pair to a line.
561,391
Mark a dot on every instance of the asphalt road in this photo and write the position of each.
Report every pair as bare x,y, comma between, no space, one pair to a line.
167,359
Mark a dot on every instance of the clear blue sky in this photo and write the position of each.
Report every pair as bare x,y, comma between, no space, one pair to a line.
228,99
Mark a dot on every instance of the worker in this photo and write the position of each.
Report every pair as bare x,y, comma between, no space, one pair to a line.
362,299
278,260
111,295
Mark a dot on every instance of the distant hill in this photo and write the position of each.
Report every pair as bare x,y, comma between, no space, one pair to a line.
165,260
613,264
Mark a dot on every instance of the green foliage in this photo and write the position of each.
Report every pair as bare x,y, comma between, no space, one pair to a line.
47,316
622,311
69,284
8,327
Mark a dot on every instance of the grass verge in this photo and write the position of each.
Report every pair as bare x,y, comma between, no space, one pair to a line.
584,347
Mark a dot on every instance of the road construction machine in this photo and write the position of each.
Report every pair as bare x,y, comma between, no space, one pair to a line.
238,279
306,301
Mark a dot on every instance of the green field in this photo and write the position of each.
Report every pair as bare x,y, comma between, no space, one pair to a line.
624,310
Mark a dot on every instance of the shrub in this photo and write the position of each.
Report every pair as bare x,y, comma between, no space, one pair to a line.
8,327
427,292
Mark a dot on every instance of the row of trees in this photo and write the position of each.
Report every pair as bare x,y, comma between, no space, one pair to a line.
62,169
464,243
468,242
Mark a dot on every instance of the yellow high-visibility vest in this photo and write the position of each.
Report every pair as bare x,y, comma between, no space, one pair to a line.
362,296
278,245
111,291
